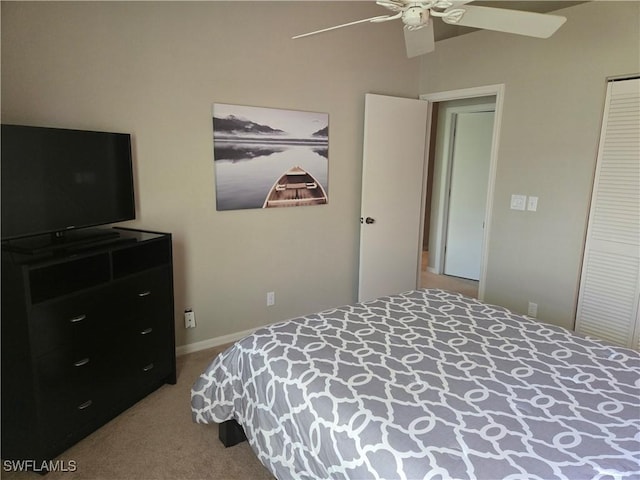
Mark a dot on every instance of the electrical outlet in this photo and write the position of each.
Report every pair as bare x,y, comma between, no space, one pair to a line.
271,299
532,311
189,319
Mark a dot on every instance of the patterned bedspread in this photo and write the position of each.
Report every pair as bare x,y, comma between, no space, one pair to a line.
428,384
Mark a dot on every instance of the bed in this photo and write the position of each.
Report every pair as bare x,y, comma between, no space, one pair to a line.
427,384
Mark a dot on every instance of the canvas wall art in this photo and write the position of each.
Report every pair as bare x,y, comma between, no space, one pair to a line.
267,157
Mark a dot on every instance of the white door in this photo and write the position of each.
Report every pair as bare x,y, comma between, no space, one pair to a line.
392,188
470,160
609,296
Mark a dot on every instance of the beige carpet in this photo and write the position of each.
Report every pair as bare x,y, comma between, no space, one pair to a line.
156,439
445,282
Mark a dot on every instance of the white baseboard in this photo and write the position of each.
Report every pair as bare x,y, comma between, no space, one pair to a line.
212,342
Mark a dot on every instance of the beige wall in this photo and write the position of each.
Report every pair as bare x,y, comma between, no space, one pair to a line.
554,96
154,69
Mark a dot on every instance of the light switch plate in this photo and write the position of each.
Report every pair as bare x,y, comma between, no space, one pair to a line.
271,299
532,204
518,202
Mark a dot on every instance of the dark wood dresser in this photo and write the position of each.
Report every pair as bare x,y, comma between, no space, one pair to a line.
85,335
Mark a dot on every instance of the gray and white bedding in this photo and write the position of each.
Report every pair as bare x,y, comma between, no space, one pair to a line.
428,385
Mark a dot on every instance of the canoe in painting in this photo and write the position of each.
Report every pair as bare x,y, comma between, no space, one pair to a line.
296,187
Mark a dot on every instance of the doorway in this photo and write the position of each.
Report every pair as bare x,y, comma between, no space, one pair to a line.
459,192
464,209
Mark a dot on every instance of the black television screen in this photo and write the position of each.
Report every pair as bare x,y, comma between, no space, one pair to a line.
56,180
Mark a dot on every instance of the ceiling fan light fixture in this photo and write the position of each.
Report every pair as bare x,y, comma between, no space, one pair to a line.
415,17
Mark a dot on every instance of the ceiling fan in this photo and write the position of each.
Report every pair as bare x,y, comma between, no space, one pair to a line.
418,24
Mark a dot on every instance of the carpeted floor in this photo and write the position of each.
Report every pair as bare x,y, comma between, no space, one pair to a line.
156,439
446,282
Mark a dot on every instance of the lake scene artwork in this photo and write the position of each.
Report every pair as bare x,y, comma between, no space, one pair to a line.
267,157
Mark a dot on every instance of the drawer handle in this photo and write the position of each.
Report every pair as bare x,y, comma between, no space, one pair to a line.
148,368
77,319
82,362
146,293
85,405
146,331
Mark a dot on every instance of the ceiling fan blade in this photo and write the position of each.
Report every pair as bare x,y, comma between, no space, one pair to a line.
419,41
532,24
458,3
381,18
394,5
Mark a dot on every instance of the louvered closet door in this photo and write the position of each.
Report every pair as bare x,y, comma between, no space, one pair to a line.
610,284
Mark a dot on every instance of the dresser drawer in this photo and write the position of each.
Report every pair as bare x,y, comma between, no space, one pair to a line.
149,337
65,374
65,423
145,300
142,288
149,368
80,319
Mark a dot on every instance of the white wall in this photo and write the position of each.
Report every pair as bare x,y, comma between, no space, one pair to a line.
154,69
554,96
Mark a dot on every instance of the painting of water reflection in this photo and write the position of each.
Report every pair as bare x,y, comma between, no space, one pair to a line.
267,157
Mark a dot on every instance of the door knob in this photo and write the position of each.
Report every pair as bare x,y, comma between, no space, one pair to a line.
369,220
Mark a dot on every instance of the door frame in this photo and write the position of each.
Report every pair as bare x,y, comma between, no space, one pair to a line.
496,90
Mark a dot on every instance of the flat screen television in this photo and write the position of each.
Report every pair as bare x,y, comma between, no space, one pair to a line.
57,182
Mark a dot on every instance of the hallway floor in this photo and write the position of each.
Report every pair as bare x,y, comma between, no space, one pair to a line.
446,282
